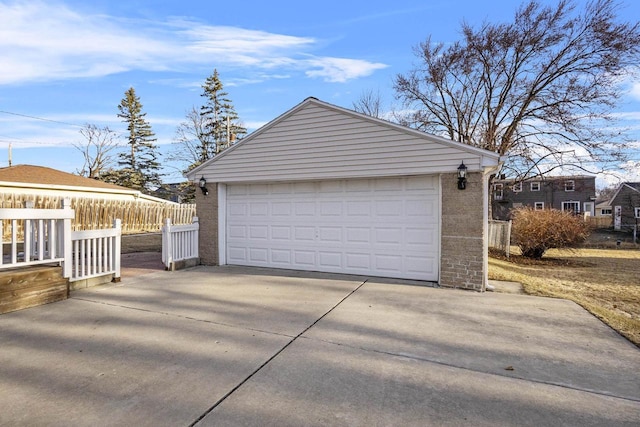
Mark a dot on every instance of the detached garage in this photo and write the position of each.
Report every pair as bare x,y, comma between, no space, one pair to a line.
322,188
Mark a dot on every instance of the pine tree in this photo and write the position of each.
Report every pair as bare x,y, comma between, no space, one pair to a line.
221,126
140,165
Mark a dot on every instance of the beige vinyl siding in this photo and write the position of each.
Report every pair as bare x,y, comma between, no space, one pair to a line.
316,142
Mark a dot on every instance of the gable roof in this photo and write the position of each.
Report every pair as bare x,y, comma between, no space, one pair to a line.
43,176
316,140
633,186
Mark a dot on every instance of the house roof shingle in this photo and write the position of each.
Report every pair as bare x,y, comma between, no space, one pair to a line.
29,174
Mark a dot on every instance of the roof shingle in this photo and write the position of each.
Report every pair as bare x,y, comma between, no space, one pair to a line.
30,174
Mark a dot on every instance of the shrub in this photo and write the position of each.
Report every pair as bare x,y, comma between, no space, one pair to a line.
535,231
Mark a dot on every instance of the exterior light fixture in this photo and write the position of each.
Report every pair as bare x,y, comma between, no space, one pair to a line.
203,186
462,176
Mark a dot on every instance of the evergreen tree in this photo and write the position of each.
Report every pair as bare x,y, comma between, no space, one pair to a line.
140,165
221,126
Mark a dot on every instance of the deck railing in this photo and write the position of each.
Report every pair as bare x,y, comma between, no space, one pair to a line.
96,253
44,236
179,242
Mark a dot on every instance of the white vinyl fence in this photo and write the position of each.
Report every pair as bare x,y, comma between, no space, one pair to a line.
179,242
500,236
96,253
44,236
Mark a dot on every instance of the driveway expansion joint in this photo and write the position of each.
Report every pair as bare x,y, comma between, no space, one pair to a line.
450,365
276,354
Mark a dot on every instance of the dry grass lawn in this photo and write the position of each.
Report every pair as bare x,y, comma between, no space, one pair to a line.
606,282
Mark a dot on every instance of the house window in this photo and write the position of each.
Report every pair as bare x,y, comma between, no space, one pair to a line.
637,212
497,191
538,206
535,186
604,212
569,185
517,187
571,206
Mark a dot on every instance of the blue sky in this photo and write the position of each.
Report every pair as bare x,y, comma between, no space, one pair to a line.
70,62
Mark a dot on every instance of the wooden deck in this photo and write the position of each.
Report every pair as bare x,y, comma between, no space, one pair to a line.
31,286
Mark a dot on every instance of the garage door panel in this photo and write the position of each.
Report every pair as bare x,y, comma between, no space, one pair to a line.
388,208
385,227
388,263
359,208
358,235
418,264
305,234
331,208
280,232
388,236
259,232
281,257
305,258
358,261
330,234
305,209
389,184
259,189
423,238
358,185
237,209
281,208
304,187
237,231
237,255
259,255
330,260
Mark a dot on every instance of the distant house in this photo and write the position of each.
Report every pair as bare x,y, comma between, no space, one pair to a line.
96,203
566,193
178,192
603,209
626,206
29,182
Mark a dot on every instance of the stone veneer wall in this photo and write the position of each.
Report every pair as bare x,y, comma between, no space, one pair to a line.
207,211
462,246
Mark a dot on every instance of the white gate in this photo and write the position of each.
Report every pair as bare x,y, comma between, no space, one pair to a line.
179,242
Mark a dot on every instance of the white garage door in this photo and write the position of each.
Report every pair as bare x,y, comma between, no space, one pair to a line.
385,227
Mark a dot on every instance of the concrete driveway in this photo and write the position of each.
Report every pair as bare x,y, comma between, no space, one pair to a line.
218,346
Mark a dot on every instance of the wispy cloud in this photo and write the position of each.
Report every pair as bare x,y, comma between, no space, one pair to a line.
47,41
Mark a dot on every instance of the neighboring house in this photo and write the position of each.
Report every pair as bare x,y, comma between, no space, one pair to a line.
33,182
96,203
566,193
174,192
323,188
626,206
603,209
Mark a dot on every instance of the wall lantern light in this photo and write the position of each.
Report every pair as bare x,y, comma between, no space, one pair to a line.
462,176
203,186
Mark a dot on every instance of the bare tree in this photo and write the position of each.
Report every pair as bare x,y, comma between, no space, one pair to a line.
369,103
539,90
193,145
97,150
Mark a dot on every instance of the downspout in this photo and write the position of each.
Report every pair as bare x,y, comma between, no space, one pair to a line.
487,172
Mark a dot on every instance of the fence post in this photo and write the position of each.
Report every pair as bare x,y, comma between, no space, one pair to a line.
66,241
117,248
167,250
507,240
196,239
